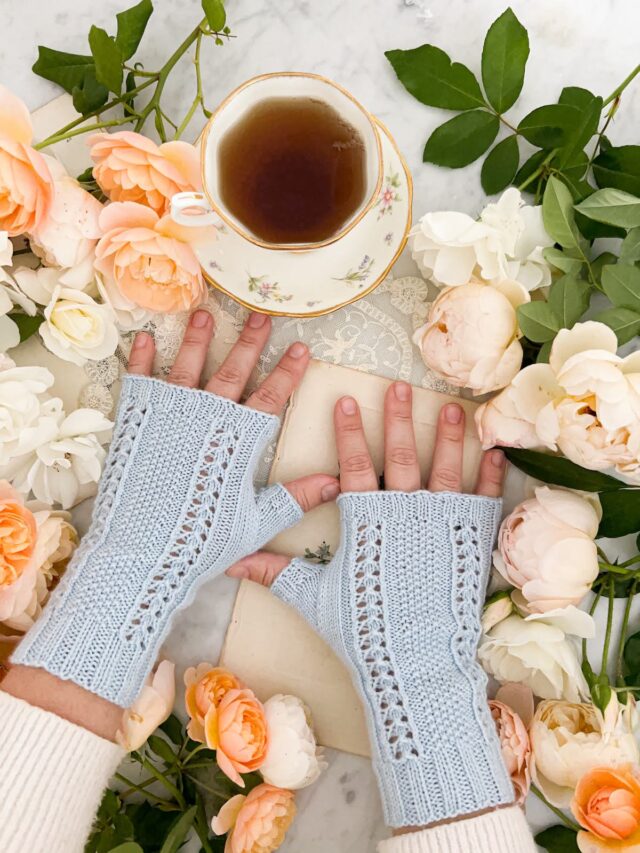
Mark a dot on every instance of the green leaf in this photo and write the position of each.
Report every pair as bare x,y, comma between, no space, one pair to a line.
543,353
161,748
557,214
612,206
27,325
624,322
619,168
500,166
127,847
631,657
90,95
462,139
528,168
558,839
590,108
178,831
107,57
131,26
65,69
151,824
561,472
589,228
620,513
172,727
561,260
604,259
538,321
569,299
621,283
630,248
123,827
504,58
549,126
110,805
215,14
431,77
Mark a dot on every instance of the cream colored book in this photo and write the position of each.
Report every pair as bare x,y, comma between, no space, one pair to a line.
267,643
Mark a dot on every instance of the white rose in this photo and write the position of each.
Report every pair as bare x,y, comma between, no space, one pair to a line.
59,459
585,403
570,739
76,328
471,337
546,547
293,759
10,296
540,652
21,404
68,235
496,608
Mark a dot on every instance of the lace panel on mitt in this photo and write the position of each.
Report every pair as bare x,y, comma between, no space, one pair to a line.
183,552
373,644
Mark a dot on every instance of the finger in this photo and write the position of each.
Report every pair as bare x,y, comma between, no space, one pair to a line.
276,389
142,353
493,466
261,567
446,469
313,490
230,378
189,362
357,473
401,469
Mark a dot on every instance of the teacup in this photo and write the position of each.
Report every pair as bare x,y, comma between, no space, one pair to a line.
197,209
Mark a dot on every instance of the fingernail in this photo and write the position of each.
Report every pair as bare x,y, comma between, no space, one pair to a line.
200,319
297,350
256,320
497,458
330,492
348,405
140,341
453,413
402,391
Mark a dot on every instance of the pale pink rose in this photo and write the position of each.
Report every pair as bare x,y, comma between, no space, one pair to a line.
148,258
26,187
151,708
256,823
471,338
546,548
130,167
514,745
66,237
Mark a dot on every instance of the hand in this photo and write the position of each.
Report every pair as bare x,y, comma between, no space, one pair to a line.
231,379
401,463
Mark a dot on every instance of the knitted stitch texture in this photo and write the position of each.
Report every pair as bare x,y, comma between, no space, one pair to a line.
176,506
401,603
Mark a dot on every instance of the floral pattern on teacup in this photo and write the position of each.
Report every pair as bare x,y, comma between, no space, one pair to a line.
360,274
388,194
267,291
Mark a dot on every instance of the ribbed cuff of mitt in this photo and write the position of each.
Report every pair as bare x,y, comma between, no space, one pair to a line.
501,831
53,776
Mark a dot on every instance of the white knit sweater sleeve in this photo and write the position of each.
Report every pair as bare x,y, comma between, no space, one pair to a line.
52,777
54,774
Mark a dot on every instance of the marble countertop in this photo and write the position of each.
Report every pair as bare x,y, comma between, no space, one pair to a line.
592,44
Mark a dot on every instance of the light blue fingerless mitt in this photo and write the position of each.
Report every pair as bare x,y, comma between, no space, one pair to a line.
400,604
176,506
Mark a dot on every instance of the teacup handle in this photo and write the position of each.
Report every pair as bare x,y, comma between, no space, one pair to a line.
181,202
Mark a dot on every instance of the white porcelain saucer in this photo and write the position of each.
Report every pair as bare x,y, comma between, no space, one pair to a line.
307,284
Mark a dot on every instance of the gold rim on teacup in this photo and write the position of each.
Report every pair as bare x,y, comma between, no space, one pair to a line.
233,223
360,294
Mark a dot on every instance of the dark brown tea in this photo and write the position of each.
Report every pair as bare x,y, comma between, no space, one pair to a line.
292,170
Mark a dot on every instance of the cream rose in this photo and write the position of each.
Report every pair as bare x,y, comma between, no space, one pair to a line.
585,403
546,547
471,336
293,759
570,739
21,405
77,328
151,708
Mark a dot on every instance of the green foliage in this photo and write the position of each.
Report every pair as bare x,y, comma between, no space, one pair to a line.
27,325
621,283
321,555
131,26
562,472
107,59
500,166
624,322
504,58
549,126
538,321
431,77
613,207
462,139
558,839
557,214
215,14
619,168
620,513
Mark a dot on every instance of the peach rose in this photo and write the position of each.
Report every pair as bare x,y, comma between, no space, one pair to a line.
237,729
206,686
130,167
258,822
17,535
149,259
515,746
606,804
26,188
